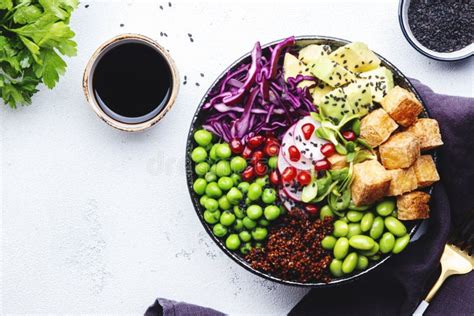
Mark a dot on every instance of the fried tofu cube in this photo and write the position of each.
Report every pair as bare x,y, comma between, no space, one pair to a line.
337,161
403,181
370,182
413,205
425,170
400,151
427,132
402,106
376,127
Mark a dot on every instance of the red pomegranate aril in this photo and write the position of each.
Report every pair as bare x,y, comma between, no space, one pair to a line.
248,173
288,174
294,153
307,130
260,168
304,178
256,156
272,149
272,140
349,135
236,146
255,141
311,209
247,153
274,177
328,150
322,164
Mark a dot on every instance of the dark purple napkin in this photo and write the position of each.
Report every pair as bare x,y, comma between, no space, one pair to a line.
399,285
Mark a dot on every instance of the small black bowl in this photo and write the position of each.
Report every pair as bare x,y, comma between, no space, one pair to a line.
196,123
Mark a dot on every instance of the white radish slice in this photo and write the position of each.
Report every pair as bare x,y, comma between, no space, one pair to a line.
293,190
309,148
282,163
285,200
288,140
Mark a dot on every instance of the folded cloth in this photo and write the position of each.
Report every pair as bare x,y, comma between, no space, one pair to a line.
400,284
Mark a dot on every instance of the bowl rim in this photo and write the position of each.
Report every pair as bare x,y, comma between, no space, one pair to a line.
422,49
195,200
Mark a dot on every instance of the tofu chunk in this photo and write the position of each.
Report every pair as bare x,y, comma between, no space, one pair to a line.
400,151
402,106
425,170
403,181
427,132
337,161
376,127
413,205
370,182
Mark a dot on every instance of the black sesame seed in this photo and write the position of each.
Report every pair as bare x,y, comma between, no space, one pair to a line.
86,6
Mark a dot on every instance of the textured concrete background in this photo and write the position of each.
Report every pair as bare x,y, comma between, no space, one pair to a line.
99,221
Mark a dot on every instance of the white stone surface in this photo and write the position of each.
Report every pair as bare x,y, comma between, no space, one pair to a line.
99,221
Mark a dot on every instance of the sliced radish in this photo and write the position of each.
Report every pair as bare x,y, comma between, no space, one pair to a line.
288,140
309,148
285,200
293,190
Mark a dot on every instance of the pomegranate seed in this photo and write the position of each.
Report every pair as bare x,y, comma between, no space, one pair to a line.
247,153
294,153
274,177
307,130
256,141
248,173
236,146
260,168
288,174
322,164
349,135
272,140
311,209
272,149
256,156
304,178
328,149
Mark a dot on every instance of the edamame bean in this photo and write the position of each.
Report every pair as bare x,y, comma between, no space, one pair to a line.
349,263
213,169
341,248
202,168
387,242
271,212
232,242
245,236
354,229
238,225
272,162
239,212
200,186
234,196
198,154
269,195
263,222
238,164
254,211
336,267
213,190
211,217
375,257
243,186
377,228
361,242
370,252
212,152
394,226
235,178
386,207
225,183
362,262
328,242
401,243
325,212
224,203
223,168
366,222
249,223
245,249
223,151
211,205
255,191
340,228
259,233
210,176
262,181
219,230
202,137
227,218
203,200
354,216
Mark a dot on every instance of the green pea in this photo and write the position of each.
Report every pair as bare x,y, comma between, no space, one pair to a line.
375,257
211,217
203,200
198,154
224,203
238,225
249,223
213,190
211,204
259,233
247,201
262,181
225,183
234,195
272,162
232,242
325,212
349,263
271,212
245,236
344,219
202,137
255,191
370,252
243,186
377,228
394,226
336,268
387,242
219,230
245,249
386,207
401,243
366,222
212,152
341,248
354,216
238,164
235,178
200,186
362,262
202,168
354,229
210,177
269,195
340,228
239,212
361,242
227,218
213,169
328,242
254,211
223,168
223,151
263,222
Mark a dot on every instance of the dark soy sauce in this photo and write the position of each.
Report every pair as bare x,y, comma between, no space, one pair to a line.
132,82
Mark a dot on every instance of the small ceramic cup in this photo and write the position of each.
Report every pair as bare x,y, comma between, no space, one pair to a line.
87,82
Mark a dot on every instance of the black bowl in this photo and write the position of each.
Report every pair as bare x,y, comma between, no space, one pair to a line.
399,79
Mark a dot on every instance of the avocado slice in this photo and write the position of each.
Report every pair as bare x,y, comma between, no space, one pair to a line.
380,82
292,67
356,57
311,53
319,91
331,72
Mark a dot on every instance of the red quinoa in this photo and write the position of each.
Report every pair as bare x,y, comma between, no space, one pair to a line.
293,249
